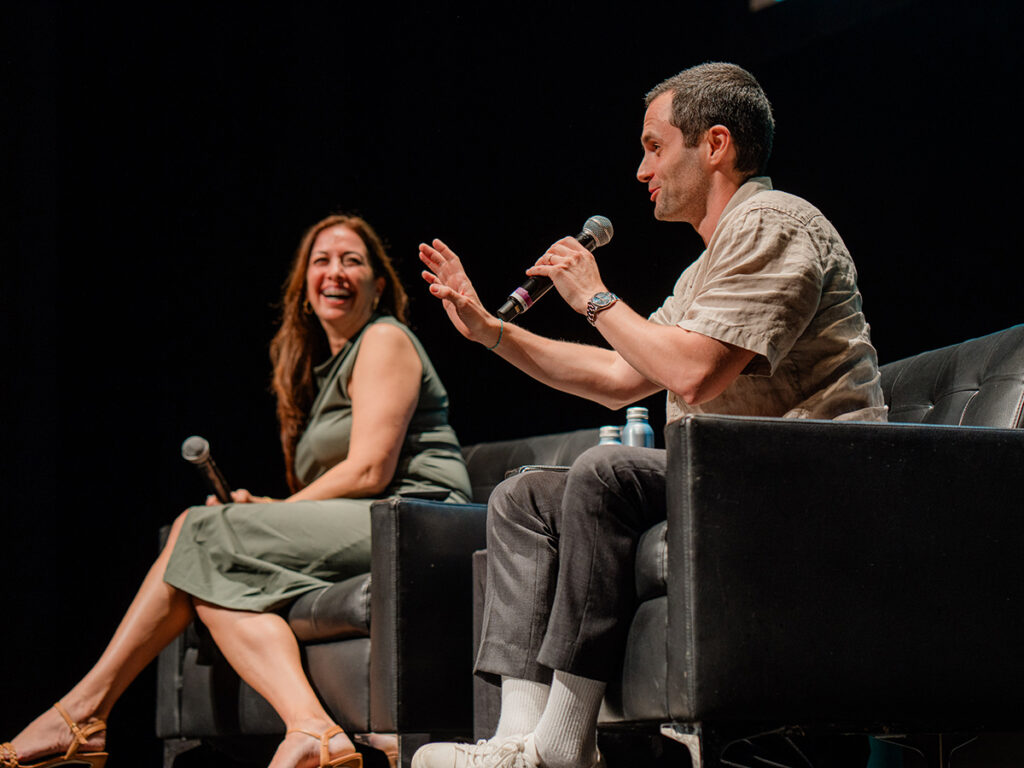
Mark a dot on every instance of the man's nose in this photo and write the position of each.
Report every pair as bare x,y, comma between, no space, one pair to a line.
643,175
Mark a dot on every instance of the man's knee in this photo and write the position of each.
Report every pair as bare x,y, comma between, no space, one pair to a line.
599,458
525,496
604,473
608,464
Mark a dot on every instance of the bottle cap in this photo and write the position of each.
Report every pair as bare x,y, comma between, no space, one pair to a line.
636,412
609,432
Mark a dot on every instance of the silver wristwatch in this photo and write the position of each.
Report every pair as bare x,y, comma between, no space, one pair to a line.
598,303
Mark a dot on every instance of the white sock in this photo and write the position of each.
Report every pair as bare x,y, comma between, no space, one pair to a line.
566,736
522,702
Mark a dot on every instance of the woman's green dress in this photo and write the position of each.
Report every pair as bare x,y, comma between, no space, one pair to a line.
257,557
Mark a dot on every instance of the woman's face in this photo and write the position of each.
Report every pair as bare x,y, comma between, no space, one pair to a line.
340,283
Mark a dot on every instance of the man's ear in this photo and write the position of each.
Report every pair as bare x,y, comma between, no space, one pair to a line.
720,147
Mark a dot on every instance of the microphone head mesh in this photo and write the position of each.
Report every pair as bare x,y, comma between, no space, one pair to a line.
600,228
195,449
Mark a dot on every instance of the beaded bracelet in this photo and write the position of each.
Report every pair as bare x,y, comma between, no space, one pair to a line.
501,331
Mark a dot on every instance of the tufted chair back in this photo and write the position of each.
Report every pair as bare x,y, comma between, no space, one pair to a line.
978,383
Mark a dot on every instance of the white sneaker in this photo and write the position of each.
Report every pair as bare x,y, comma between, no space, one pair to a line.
510,752
496,753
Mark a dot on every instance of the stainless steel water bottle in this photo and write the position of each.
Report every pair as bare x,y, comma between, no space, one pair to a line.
637,431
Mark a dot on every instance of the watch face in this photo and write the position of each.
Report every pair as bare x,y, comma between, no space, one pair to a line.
600,301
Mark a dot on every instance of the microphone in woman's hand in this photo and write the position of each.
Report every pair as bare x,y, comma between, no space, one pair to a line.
196,450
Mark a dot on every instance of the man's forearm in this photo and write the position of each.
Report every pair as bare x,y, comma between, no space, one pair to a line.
694,366
587,371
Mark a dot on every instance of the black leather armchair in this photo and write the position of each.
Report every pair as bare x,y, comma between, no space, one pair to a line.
408,671
841,577
833,577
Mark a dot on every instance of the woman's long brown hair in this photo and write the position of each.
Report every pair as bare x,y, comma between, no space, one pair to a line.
300,342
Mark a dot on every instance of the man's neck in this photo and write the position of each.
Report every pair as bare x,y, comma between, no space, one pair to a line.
722,188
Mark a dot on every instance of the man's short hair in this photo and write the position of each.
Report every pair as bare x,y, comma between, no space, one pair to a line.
722,94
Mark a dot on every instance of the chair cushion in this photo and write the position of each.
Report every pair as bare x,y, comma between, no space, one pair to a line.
652,562
336,612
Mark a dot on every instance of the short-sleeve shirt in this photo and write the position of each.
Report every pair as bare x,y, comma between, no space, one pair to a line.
777,279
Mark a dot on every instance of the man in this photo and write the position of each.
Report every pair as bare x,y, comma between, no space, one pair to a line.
766,322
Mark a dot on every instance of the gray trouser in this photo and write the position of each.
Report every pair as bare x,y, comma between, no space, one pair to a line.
561,547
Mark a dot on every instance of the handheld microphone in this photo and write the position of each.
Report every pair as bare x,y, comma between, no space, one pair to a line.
196,450
597,231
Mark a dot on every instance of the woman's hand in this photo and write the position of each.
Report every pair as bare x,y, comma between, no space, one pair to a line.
573,270
239,496
449,282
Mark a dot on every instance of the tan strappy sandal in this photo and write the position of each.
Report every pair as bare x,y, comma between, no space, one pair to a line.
9,757
355,760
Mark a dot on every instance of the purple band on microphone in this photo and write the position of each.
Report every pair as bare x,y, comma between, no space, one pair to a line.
524,297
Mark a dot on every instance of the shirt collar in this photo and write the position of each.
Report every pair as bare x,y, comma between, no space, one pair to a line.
746,191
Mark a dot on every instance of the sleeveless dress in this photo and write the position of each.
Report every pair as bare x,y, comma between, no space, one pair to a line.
259,557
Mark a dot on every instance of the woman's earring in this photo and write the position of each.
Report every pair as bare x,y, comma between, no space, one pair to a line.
307,307
376,301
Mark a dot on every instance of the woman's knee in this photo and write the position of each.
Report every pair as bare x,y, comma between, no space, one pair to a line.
176,526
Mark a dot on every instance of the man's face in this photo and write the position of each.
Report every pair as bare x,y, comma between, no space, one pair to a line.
673,172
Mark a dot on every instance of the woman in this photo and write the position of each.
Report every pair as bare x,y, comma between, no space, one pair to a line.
363,415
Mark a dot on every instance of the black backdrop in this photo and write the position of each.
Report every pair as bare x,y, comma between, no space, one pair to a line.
166,157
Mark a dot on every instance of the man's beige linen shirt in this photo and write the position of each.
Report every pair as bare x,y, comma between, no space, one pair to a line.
776,279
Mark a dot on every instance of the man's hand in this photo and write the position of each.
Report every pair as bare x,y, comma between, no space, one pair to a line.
573,270
449,282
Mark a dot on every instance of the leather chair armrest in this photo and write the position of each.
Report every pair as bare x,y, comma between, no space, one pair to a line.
845,572
421,603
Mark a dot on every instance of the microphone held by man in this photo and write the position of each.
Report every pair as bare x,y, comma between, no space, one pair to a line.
597,231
